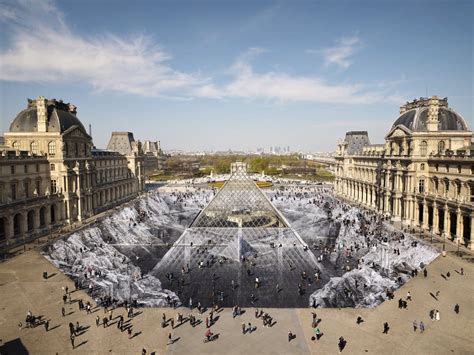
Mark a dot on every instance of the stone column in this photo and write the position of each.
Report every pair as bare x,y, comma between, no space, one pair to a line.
425,215
447,221
36,220
435,219
459,226
9,227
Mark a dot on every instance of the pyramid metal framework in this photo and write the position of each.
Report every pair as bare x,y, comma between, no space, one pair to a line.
237,231
239,203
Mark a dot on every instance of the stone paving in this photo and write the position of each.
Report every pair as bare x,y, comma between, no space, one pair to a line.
22,288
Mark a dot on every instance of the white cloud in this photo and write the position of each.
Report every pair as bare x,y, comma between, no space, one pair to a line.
279,86
340,54
44,49
47,51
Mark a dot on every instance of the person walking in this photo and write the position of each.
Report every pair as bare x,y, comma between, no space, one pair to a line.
425,272
437,315
341,344
46,325
415,325
385,328
243,328
170,339
456,308
129,331
172,323
290,336
422,327
72,337
97,321
408,296
63,311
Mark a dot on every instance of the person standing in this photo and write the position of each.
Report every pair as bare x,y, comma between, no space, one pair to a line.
46,325
63,311
97,321
415,326
129,331
437,316
456,308
385,328
243,327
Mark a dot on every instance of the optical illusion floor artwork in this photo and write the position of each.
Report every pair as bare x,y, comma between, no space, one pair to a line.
239,246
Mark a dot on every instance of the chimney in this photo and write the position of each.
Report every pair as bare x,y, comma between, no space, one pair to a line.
41,114
90,130
433,108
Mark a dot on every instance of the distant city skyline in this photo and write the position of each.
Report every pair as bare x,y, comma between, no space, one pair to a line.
203,76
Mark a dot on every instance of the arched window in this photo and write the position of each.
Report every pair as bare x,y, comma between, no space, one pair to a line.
423,148
34,147
441,147
16,145
52,148
53,167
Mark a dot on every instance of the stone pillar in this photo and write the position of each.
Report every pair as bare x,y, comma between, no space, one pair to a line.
425,215
435,219
459,226
36,220
447,221
8,227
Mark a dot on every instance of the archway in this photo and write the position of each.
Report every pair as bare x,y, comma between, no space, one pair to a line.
53,214
17,221
42,216
31,220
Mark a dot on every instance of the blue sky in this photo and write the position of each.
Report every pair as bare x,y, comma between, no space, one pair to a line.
240,75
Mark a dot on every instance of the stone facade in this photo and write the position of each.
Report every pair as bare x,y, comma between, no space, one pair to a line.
423,176
85,180
28,207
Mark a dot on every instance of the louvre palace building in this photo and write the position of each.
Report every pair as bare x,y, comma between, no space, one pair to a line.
51,175
421,177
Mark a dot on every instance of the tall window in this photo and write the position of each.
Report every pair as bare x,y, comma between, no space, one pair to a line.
13,191
12,169
34,148
53,186
53,167
422,166
441,147
25,168
421,185
52,148
447,186
38,187
16,145
423,148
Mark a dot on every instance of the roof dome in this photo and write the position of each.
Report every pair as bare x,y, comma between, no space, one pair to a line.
415,120
59,118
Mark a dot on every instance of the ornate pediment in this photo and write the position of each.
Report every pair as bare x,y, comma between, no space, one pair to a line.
74,131
398,131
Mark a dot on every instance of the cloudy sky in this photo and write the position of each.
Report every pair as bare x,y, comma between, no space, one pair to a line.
205,75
